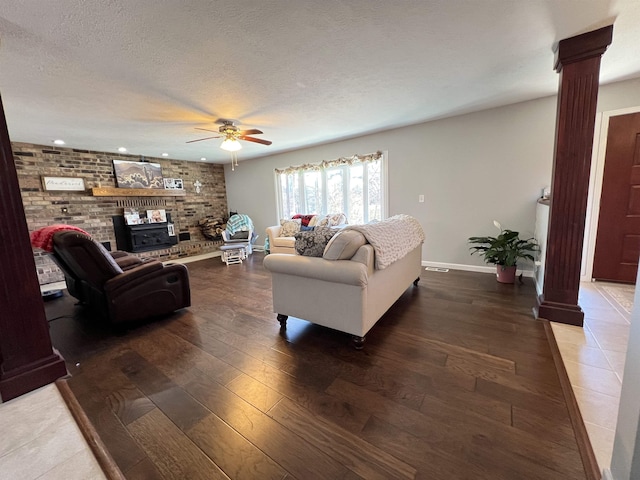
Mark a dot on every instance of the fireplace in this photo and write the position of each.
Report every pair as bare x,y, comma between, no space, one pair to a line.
145,237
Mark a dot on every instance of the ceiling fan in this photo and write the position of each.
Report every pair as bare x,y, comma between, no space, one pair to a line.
231,135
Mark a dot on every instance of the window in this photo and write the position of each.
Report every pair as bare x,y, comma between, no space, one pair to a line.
353,186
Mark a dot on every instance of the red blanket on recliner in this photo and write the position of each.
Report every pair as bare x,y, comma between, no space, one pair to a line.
43,237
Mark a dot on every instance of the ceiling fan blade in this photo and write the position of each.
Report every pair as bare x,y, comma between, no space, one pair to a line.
200,139
253,131
207,130
255,140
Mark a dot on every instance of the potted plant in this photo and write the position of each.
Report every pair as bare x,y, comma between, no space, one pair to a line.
504,250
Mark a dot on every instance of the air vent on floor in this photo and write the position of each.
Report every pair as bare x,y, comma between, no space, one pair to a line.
436,269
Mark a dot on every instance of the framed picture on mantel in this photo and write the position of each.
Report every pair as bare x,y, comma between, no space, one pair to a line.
138,174
156,216
173,184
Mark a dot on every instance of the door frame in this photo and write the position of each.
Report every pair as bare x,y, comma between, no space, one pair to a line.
595,187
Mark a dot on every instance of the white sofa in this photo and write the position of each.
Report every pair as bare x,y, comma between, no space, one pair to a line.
278,244
348,294
286,244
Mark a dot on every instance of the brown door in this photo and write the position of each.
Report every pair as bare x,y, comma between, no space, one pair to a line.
618,237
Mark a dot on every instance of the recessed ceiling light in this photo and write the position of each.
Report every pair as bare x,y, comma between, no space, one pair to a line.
59,142
122,149
203,158
165,154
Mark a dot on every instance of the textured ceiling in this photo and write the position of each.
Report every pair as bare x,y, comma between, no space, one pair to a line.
143,74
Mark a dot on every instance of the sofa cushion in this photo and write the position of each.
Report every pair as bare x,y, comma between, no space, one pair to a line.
289,227
313,243
284,242
343,245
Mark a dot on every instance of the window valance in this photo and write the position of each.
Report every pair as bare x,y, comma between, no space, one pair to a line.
370,157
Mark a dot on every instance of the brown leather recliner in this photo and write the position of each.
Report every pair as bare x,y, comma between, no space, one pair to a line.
142,290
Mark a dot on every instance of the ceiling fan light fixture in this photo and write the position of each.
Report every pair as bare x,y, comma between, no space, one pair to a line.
231,145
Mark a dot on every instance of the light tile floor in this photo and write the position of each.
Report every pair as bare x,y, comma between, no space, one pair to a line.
40,439
594,359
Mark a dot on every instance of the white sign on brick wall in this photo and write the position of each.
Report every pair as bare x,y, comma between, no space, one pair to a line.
63,183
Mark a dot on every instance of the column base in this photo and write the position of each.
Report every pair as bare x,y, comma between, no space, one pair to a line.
31,376
559,312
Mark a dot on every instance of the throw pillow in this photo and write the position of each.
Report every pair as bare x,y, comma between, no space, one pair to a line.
288,228
322,222
303,218
337,219
344,245
313,243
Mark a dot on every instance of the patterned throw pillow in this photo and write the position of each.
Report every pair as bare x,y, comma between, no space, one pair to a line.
332,220
322,222
336,219
288,228
313,243
305,219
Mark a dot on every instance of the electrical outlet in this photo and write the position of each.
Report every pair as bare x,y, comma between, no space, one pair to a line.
421,198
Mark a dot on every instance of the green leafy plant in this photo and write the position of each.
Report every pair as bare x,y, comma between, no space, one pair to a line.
505,249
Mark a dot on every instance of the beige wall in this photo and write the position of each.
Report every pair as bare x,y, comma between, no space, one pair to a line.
471,168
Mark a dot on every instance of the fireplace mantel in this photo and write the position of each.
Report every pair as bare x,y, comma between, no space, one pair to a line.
135,192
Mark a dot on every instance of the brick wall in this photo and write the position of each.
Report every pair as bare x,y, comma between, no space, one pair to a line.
93,214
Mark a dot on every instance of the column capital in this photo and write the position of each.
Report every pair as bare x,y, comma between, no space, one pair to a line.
581,47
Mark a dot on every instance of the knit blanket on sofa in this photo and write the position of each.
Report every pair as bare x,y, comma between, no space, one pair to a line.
392,238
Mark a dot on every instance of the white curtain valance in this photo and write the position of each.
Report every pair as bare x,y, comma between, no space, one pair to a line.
370,157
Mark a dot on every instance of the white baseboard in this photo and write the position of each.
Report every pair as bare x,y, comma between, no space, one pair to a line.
472,268
194,258
538,286
53,286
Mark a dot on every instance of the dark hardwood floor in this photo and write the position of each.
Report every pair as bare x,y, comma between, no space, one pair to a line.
456,381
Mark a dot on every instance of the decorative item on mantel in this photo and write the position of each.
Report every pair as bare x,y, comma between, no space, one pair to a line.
173,183
138,174
504,251
72,184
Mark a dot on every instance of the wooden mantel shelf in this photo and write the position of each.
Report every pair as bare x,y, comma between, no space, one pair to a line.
135,192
